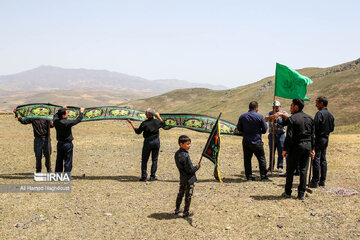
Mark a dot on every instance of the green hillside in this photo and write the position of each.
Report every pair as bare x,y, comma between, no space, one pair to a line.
341,84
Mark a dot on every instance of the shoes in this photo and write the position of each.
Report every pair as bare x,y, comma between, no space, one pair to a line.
249,179
296,174
49,170
322,183
285,195
282,175
314,185
143,179
301,197
153,179
177,211
265,179
279,170
188,214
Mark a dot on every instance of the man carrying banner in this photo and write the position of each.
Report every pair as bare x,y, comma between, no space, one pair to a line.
299,143
276,135
42,140
150,129
64,137
324,125
253,125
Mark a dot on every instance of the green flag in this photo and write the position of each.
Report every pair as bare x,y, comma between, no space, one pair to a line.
290,84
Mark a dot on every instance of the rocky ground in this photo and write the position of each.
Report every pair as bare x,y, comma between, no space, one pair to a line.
108,202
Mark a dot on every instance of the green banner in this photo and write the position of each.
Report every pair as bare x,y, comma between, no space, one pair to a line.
290,84
196,122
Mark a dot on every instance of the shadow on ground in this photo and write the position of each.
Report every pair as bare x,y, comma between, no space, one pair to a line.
267,197
169,216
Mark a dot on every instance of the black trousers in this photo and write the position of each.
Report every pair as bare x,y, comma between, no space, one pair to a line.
42,146
64,156
187,190
258,149
153,147
319,163
299,154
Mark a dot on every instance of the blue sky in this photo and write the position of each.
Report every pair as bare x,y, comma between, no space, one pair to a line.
224,42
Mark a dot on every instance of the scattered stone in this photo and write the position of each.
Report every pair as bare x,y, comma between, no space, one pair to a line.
56,217
78,213
313,213
19,225
259,215
227,228
83,175
280,225
108,214
40,219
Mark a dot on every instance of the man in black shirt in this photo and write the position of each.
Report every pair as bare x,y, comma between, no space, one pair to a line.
150,129
324,125
64,137
299,144
42,141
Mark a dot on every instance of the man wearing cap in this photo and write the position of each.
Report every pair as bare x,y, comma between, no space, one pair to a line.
276,120
64,137
150,129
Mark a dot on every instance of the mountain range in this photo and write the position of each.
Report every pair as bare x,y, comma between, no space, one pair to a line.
46,78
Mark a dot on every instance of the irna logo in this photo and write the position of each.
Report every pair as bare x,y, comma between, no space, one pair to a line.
52,177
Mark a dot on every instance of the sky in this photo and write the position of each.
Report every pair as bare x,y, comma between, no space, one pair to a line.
226,42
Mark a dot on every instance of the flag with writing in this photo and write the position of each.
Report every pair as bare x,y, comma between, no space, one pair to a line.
290,84
212,148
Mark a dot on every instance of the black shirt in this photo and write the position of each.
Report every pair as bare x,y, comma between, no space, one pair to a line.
150,128
40,126
185,166
300,129
63,128
324,123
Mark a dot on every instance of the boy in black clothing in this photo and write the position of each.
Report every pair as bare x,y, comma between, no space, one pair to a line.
187,175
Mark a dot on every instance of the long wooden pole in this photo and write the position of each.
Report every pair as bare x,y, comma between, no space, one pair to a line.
273,139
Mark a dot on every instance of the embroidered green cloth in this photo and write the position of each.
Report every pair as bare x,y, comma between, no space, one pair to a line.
196,122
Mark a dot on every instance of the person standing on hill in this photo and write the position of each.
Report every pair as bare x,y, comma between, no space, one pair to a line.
299,144
324,125
277,133
64,137
253,125
42,140
150,129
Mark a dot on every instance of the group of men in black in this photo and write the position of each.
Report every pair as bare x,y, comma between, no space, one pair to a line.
305,137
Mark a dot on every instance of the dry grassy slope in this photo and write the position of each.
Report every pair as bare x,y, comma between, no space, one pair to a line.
342,88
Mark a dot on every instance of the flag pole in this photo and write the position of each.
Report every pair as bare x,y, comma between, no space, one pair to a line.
273,130
201,158
273,139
